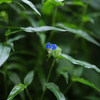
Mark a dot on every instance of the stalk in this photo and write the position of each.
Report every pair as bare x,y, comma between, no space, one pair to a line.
48,78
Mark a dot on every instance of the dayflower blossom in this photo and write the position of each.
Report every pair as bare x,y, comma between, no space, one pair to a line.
50,47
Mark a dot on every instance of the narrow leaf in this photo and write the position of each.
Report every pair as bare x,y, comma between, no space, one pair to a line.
78,62
16,90
83,81
74,29
6,1
9,32
41,29
55,89
16,38
79,3
31,5
4,53
29,77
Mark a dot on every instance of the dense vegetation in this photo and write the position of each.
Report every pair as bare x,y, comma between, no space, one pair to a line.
49,49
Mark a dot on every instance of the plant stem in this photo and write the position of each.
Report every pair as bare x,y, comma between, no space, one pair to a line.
5,81
84,45
28,94
53,22
48,78
68,87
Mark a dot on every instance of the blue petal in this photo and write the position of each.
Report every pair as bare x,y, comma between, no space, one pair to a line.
48,45
53,46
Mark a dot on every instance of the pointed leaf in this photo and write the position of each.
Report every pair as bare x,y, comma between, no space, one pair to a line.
14,77
78,62
29,77
4,53
74,29
55,89
16,90
31,5
83,81
41,29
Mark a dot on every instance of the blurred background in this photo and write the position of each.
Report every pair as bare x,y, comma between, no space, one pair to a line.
81,19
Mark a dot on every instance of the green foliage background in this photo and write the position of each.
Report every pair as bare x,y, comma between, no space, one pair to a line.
25,28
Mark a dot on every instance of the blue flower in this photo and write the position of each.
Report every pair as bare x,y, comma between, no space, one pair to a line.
50,47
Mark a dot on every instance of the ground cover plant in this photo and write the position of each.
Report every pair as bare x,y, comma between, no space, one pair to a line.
49,50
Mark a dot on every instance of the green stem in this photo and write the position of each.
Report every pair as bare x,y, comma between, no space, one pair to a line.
28,94
84,45
48,78
53,22
84,12
68,87
5,80
50,70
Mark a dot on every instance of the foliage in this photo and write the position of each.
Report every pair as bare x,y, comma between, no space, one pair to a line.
49,49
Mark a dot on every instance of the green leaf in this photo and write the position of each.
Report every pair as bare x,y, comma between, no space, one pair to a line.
65,74
14,77
83,81
78,62
9,32
41,29
6,1
31,29
16,80
20,5
31,5
78,3
55,89
50,7
42,37
28,78
4,53
15,38
74,29
57,2
16,90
